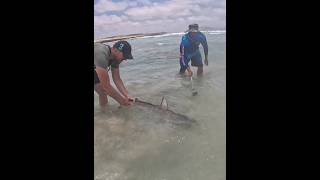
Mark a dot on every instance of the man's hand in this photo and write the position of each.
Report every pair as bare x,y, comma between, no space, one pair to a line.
206,61
126,102
131,99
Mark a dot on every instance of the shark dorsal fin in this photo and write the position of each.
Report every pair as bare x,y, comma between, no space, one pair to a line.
164,104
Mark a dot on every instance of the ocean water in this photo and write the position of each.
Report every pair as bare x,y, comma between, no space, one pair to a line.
132,143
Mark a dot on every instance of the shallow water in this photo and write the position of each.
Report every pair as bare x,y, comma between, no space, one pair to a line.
133,143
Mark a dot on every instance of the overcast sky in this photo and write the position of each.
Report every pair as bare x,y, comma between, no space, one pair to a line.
120,17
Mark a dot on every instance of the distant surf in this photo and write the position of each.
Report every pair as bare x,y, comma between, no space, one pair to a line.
182,33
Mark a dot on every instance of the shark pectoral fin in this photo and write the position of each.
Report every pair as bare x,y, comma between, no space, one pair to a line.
164,104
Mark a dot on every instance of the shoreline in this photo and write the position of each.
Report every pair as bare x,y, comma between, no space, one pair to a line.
133,36
124,37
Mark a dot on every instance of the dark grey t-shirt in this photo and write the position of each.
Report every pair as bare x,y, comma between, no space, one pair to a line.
102,56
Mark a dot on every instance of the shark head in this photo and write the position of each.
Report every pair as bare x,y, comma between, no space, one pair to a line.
164,104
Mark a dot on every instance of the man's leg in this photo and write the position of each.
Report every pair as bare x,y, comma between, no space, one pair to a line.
196,60
105,82
98,88
97,85
200,71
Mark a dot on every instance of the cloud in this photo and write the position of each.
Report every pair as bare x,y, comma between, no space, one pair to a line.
160,11
143,16
107,5
133,3
144,2
109,20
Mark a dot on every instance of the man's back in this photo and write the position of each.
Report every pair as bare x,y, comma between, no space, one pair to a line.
101,55
192,40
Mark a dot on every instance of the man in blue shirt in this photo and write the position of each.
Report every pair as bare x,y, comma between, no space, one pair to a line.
189,50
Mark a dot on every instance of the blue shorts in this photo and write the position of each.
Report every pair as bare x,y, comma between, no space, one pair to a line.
196,60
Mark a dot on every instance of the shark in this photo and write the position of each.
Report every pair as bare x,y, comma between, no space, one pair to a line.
166,114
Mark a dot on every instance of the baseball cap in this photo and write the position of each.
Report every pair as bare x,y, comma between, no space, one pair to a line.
125,48
193,28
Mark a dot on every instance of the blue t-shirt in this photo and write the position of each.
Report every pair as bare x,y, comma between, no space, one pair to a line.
190,46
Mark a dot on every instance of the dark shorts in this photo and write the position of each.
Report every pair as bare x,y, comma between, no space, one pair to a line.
96,78
196,60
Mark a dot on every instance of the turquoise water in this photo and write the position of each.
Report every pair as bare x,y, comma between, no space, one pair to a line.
134,144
